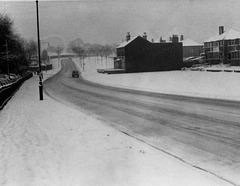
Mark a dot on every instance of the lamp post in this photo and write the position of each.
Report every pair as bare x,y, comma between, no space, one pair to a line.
39,58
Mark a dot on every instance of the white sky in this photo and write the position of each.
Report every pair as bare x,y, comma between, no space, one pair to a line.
107,21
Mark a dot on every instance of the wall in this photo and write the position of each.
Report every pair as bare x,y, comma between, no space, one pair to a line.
43,68
189,51
144,56
7,91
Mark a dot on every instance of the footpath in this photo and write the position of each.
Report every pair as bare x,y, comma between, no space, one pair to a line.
45,143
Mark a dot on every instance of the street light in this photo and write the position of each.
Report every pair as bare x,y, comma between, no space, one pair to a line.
39,58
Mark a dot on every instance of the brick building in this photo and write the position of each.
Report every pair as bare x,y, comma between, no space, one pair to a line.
140,55
223,47
191,48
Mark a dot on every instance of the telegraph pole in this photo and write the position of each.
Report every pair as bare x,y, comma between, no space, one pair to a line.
39,58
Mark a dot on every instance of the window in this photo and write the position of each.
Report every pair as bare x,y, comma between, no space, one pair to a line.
216,55
215,47
236,41
234,55
121,52
221,43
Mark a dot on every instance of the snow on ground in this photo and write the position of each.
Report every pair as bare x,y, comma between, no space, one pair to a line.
48,143
220,85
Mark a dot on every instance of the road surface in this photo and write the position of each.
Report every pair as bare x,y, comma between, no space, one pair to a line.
204,133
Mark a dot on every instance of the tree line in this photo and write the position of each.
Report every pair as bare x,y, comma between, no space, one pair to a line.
16,52
83,50
13,56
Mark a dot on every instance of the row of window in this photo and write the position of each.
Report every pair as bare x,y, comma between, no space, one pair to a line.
220,43
233,42
234,48
213,44
216,55
231,48
235,55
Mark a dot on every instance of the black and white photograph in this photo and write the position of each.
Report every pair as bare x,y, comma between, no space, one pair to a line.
119,93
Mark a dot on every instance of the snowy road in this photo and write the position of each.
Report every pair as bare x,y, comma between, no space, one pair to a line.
201,132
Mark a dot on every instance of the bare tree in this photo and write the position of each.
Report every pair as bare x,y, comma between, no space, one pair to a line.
77,46
30,49
44,55
96,50
59,50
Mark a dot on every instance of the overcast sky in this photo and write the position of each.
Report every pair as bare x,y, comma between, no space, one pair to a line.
108,21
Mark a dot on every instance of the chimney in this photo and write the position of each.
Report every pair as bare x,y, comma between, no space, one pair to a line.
128,36
221,30
175,38
170,38
161,39
181,38
145,35
152,40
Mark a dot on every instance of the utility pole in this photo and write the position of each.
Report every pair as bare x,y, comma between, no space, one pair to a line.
7,59
39,58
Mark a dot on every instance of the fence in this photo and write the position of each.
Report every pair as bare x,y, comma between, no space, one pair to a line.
7,91
43,68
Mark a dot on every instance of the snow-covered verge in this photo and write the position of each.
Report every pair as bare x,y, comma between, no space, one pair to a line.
48,143
220,85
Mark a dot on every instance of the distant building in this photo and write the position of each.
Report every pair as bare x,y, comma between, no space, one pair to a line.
223,47
140,55
191,48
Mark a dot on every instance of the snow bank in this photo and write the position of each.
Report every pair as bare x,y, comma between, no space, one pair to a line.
220,85
48,143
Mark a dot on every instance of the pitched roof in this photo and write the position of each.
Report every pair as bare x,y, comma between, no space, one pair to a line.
190,42
124,43
230,34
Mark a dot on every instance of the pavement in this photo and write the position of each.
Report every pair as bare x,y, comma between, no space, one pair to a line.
48,143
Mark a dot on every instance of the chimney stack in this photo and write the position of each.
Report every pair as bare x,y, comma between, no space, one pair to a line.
175,38
161,39
145,35
181,38
128,36
221,30
170,38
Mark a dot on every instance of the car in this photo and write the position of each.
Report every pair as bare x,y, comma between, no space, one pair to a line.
200,59
188,59
75,74
13,76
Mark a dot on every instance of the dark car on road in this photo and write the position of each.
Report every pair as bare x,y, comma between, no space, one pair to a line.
75,74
